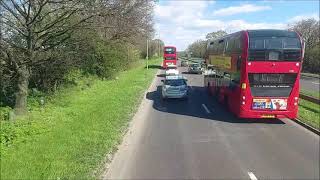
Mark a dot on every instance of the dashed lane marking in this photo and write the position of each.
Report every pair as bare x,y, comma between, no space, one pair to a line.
205,108
252,176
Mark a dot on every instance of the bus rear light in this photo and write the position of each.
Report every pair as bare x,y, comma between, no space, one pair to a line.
295,98
243,97
243,86
295,103
249,63
243,103
297,64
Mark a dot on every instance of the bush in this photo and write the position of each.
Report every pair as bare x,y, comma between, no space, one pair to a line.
4,113
312,60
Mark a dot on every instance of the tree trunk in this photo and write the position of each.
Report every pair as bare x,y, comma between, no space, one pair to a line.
22,91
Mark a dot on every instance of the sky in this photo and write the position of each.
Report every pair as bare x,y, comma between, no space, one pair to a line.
180,23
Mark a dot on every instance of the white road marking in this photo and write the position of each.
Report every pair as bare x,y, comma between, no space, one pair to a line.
315,83
252,176
205,108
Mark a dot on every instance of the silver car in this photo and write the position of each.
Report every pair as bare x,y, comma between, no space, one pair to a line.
174,87
195,68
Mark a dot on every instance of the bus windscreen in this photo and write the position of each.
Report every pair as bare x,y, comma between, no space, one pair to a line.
169,50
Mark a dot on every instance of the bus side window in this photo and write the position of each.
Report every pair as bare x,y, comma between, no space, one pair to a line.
239,63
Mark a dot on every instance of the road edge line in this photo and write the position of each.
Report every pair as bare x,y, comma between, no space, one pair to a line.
206,108
305,125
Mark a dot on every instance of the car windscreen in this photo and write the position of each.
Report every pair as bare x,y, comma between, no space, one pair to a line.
175,82
274,46
195,65
169,50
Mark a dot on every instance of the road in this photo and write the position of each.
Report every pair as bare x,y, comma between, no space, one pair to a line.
310,84
199,139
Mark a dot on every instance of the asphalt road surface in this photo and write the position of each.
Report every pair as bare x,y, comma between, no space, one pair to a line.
310,84
198,139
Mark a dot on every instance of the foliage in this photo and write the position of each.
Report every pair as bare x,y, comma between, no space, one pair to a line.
198,48
309,29
309,113
216,35
155,48
40,47
69,137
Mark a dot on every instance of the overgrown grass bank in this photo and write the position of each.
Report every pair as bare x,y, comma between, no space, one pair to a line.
70,137
309,113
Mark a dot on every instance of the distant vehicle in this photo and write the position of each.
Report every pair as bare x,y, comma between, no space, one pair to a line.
174,87
184,63
195,68
257,72
209,70
169,56
171,70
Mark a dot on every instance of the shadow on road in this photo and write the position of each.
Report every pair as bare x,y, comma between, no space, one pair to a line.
193,107
154,67
186,72
161,75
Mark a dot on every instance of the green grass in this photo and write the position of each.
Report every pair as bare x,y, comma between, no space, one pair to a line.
309,113
71,136
311,75
309,93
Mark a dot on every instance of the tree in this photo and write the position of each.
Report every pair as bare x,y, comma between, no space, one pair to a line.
309,29
32,28
215,35
43,41
198,48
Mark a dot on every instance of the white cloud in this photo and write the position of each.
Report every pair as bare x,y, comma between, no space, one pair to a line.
246,8
180,23
303,16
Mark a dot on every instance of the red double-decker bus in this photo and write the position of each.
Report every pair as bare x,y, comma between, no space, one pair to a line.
169,56
256,72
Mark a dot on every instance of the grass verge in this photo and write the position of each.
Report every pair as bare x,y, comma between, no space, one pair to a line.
309,93
70,137
310,75
309,113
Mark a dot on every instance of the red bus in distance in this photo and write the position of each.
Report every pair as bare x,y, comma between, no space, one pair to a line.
256,72
169,56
